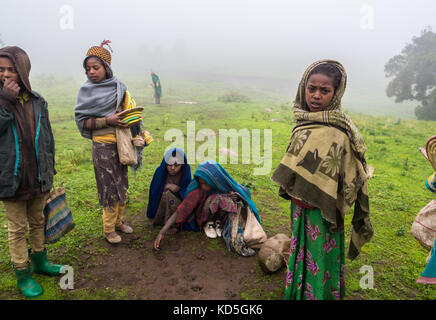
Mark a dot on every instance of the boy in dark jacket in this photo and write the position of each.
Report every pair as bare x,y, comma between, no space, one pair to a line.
26,168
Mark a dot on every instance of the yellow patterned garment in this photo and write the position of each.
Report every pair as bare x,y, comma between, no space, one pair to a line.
128,103
106,138
24,98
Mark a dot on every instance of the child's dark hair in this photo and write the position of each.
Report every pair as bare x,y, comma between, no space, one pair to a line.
328,70
103,64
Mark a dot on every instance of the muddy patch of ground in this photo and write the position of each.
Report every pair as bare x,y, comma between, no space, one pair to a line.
189,266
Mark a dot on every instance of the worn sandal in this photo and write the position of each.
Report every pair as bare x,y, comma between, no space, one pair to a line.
124,228
113,237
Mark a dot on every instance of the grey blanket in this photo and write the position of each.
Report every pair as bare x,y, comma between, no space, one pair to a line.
97,100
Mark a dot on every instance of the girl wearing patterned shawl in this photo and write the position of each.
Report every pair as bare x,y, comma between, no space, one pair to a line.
169,186
211,196
97,113
323,173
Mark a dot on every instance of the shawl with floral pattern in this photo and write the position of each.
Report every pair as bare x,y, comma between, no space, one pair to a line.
324,165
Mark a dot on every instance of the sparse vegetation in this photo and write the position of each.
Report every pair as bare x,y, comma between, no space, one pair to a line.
397,193
233,96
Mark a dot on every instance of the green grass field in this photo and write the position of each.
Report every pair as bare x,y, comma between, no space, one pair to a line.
397,191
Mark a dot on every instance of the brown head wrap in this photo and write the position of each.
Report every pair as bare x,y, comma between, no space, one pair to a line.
21,61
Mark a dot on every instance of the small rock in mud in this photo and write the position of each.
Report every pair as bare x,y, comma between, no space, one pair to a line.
229,293
197,288
200,256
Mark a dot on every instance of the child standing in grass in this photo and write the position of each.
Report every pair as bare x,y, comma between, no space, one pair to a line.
27,167
157,88
97,114
323,173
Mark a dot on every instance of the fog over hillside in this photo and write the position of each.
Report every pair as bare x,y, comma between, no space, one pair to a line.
266,43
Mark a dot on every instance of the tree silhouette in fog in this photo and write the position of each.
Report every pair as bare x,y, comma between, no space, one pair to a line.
414,74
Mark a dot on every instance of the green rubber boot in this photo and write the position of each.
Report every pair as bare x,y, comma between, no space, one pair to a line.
26,284
41,264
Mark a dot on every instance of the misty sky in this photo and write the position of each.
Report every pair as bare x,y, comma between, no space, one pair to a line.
270,38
